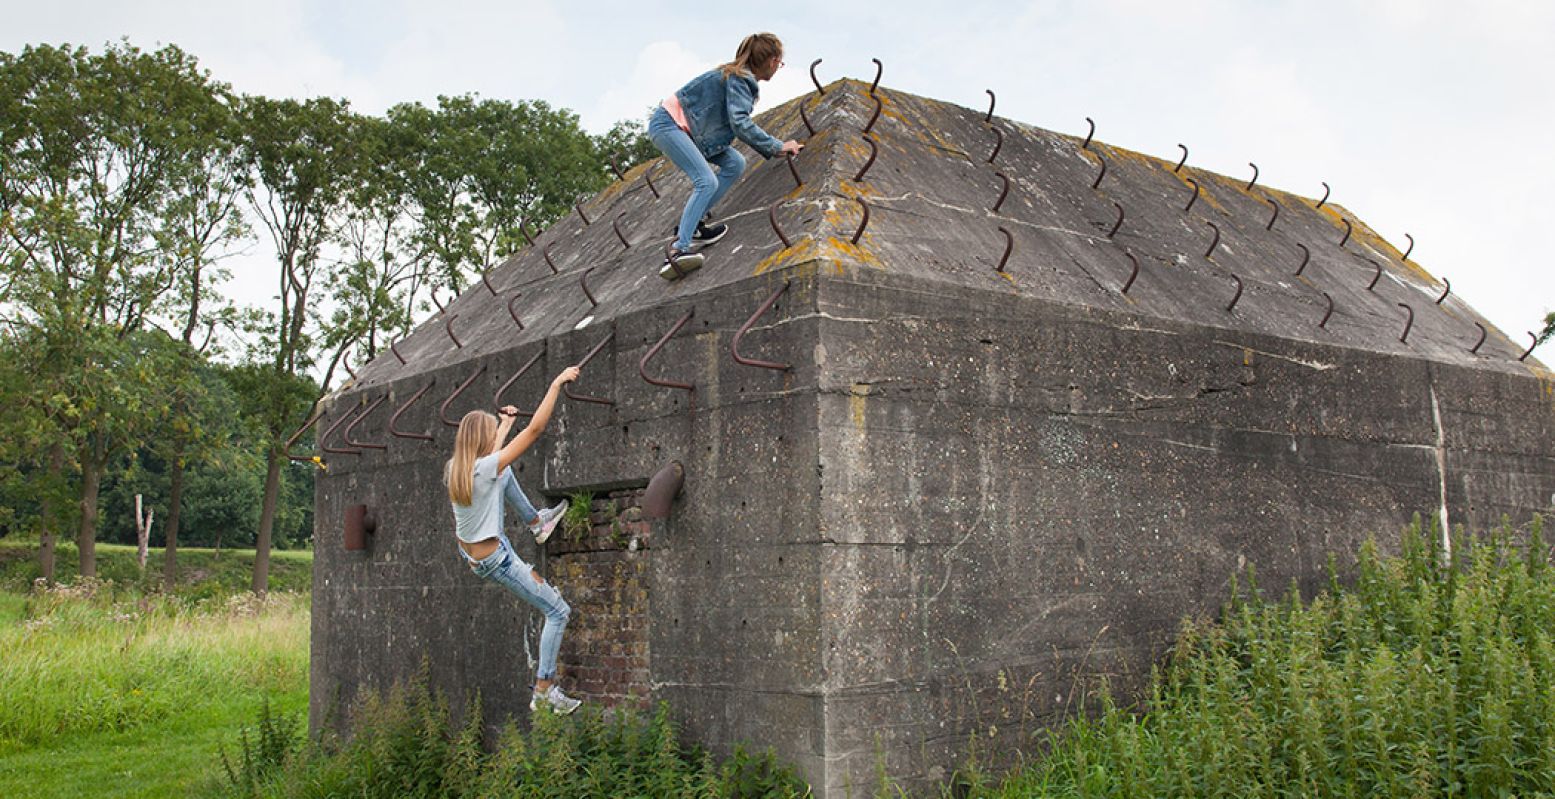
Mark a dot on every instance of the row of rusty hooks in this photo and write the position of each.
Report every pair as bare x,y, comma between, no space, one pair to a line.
344,417
358,420
734,345
292,440
394,418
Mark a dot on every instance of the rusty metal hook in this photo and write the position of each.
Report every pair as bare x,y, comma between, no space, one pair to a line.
1482,334
1446,289
1346,232
546,251
818,90
1117,224
567,389
878,106
1009,245
1194,198
448,325
524,229
863,223
1306,257
1255,175
394,348
772,217
1411,247
991,101
873,150
1213,242
487,282
1131,275
615,169
1326,190
581,215
1086,145
997,144
442,411
1408,323
1275,215
642,365
617,228
1003,192
648,178
794,170
324,446
358,420
1530,349
583,280
1184,159
1103,173
879,69
734,346
1372,286
346,362
440,308
395,417
805,118
1238,296
513,313
294,436
1330,312
496,399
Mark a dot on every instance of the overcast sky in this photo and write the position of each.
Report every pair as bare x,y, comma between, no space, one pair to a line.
1428,117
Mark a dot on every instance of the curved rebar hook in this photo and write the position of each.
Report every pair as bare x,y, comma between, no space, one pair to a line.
1002,192
1275,215
513,313
1306,257
583,280
1009,245
648,178
805,118
1086,145
1530,349
873,151
1408,323
1325,195
1182,160
487,282
440,308
794,170
818,90
1482,334
615,169
734,345
546,251
346,436
1117,224
1255,175
863,223
991,101
581,215
1213,242
997,144
875,116
442,411
1194,198
1103,173
1410,248
1238,296
617,228
395,417
1446,289
346,362
325,447
567,389
1346,232
292,440
496,399
394,348
523,228
772,217
1330,312
448,325
879,69
1131,275
1372,286
642,365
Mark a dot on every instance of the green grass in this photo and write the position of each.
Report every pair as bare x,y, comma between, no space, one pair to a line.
113,691
201,572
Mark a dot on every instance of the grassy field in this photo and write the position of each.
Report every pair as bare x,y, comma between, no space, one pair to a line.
201,572
113,690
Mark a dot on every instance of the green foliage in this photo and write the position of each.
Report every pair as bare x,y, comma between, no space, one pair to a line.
276,738
626,144
1423,679
578,519
206,574
405,745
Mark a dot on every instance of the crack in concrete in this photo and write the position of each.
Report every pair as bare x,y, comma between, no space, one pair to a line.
1318,365
1441,474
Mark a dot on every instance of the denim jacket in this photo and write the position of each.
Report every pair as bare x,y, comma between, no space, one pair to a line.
718,110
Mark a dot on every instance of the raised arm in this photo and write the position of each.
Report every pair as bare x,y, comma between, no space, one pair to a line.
531,432
741,98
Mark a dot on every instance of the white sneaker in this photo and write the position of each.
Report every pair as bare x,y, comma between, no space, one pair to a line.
549,519
559,703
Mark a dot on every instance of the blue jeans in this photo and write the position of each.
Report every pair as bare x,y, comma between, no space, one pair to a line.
707,187
515,497
505,568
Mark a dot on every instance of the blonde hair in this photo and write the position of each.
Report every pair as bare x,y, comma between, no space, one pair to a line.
472,441
757,48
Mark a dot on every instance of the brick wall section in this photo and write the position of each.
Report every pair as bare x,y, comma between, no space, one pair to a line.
602,573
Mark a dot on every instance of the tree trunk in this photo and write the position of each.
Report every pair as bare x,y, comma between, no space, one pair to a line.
86,536
50,515
267,521
175,502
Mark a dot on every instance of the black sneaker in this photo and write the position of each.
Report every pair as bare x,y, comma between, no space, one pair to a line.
707,234
679,264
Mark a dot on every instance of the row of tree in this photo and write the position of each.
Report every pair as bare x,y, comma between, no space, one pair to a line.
127,177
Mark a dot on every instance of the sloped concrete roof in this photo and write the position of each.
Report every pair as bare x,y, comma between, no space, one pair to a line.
938,212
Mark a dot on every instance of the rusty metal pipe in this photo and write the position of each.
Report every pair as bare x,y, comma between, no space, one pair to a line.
292,440
567,389
1482,334
734,346
991,101
395,417
1330,312
863,223
642,365
487,282
772,217
581,215
546,251
496,399
523,228
394,348
1274,216
1118,222
1004,192
358,420
1372,286
1238,296
1347,230
1410,248
1213,242
346,362
448,325
617,228
323,445
648,178
1325,195
1194,198
1009,245
1103,173
583,280
1181,161
873,151
879,70
805,118
1086,145
1446,289
794,170
1530,349
1306,257
817,81
1408,323
513,313
442,411
875,116
998,143
1255,176
1131,275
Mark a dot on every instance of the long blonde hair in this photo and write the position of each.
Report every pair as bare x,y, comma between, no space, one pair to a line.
472,441
757,48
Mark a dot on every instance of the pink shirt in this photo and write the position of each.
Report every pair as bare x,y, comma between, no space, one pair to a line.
672,105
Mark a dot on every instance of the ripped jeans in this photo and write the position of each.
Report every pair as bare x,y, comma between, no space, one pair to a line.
505,568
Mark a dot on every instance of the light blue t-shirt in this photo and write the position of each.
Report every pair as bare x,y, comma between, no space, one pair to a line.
482,518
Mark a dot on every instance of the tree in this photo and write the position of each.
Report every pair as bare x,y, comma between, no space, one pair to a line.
626,145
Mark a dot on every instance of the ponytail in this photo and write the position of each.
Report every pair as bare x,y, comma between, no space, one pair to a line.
757,48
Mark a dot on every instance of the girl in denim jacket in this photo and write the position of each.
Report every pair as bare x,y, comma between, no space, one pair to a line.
695,126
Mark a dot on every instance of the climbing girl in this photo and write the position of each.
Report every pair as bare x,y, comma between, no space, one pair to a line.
695,126
478,477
